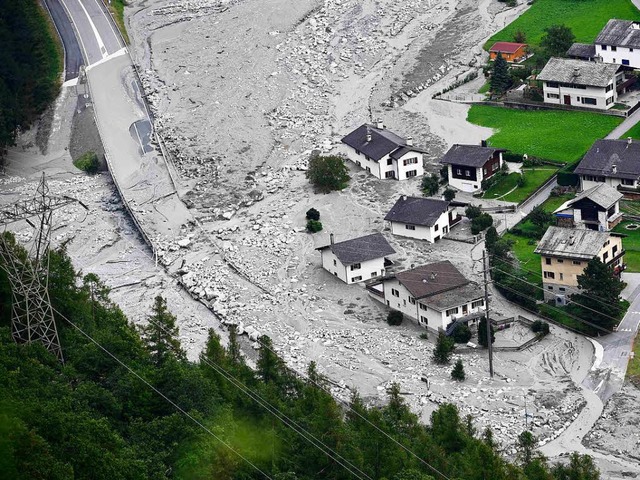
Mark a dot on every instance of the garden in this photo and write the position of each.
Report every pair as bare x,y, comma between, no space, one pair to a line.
631,244
516,187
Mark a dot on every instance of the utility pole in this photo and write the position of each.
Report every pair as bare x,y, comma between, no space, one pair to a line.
486,311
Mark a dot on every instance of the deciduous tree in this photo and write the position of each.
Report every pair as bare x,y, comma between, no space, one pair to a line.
327,174
557,40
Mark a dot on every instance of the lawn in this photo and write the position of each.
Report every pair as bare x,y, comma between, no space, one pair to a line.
533,179
523,249
633,132
585,18
561,136
631,244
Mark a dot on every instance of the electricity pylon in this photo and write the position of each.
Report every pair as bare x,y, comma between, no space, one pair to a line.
31,311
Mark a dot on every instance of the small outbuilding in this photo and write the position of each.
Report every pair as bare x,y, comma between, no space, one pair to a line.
422,218
469,165
510,51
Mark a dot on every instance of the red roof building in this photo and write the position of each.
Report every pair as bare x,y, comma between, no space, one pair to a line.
511,52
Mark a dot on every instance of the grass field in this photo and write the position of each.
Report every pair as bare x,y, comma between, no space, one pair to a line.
633,132
585,18
549,134
631,244
117,10
523,249
533,179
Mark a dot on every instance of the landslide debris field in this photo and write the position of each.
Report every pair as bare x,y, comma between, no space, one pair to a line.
242,91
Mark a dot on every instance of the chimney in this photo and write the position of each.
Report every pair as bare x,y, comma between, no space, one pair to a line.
433,275
614,168
483,143
576,72
629,140
368,135
331,238
409,141
404,198
379,124
572,240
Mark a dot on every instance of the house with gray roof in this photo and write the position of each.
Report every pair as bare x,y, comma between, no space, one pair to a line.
578,83
434,295
619,43
383,153
597,208
422,218
614,162
469,165
582,51
357,259
565,253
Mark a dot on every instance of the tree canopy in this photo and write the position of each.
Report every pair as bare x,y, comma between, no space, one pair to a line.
327,174
557,40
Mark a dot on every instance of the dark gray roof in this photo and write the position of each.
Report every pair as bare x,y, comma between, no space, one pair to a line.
601,194
361,249
579,72
457,296
582,50
575,243
383,142
604,154
621,33
417,210
469,155
431,279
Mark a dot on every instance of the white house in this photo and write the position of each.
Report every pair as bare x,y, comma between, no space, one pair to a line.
567,81
383,153
469,165
597,208
434,295
619,43
421,218
614,162
358,259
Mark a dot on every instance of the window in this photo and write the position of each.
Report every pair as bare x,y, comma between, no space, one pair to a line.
605,256
389,174
614,48
559,260
561,276
576,262
335,263
484,170
368,169
603,47
589,101
374,274
410,227
356,279
551,275
412,300
436,227
609,101
547,261
549,287
609,87
358,152
367,157
355,266
423,306
631,49
451,311
467,173
626,181
553,95
562,289
424,320
477,303
614,250
358,163
389,161
553,84
458,171
494,167
410,161
412,173
395,292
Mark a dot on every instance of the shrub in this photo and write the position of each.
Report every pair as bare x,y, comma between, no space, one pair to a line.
313,214
444,349
314,226
481,223
430,184
424,336
88,162
449,194
327,173
395,318
472,212
444,174
461,334
540,327
458,371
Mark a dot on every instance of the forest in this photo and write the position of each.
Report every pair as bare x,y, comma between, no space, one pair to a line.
127,404
30,66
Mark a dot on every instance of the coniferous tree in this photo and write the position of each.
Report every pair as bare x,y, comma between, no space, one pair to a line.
500,79
443,350
161,334
458,371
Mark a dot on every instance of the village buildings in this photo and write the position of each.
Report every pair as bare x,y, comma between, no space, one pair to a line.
469,165
619,43
510,51
614,162
433,295
358,259
422,218
383,153
582,51
565,253
597,208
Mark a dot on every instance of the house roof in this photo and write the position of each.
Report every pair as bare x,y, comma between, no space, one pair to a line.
458,296
417,210
360,249
621,33
469,155
575,243
582,50
383,142
506,47
579,72
605,154
431,279
602,195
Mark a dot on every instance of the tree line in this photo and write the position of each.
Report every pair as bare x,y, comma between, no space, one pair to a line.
91,418
30,66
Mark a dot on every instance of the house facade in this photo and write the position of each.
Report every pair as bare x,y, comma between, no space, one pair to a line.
358,259
615,163
619,43
469,165
383,153
597,208
510,51
578,83
565,253
422,218
433,295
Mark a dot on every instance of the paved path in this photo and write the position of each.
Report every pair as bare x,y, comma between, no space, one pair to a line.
73,59
624,127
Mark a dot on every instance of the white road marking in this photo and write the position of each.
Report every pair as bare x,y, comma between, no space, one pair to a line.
103,50
70,83
122,51
598,387
115,34
139,139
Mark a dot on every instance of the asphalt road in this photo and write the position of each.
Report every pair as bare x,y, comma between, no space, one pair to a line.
73,53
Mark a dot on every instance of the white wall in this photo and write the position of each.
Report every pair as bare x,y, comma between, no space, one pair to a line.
422,232
385,164
621,53
612,182
466,185
402,169
577,94
368,269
